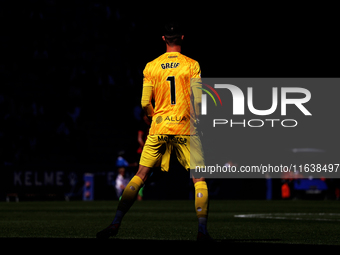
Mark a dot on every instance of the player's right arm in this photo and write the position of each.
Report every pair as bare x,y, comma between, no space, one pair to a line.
196,85
147,94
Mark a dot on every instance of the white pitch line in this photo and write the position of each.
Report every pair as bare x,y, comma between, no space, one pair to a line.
282,216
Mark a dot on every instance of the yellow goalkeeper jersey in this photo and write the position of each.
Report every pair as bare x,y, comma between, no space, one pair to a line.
169,76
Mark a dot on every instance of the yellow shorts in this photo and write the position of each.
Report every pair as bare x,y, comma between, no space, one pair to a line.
157,150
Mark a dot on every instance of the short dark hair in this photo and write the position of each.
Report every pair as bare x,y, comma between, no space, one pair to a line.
173,40
173,33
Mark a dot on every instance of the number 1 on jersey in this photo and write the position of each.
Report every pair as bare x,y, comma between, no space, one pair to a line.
172,89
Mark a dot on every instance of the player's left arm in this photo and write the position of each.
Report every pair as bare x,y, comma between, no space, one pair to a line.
147,94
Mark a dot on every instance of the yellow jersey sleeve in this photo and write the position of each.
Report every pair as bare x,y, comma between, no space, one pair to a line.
147,79
196,70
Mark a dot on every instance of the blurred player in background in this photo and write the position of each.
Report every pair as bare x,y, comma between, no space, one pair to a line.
167,80
121,181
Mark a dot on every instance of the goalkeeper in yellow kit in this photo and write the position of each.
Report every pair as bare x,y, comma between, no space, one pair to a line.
169,81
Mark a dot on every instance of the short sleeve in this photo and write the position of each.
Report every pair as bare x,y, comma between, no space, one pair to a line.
196,70
147,81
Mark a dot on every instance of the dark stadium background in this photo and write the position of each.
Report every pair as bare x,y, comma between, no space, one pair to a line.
71,82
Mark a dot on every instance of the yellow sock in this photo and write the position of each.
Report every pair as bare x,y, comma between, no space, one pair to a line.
201,199
129,194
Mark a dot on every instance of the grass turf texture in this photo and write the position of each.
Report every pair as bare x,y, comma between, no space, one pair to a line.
301,222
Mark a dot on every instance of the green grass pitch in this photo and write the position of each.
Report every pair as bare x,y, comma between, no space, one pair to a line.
285,222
